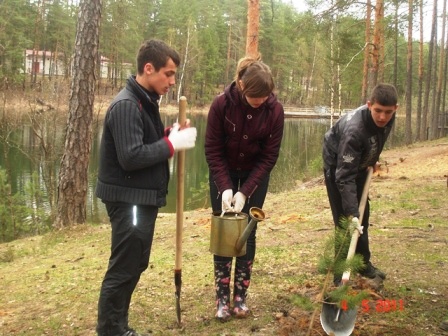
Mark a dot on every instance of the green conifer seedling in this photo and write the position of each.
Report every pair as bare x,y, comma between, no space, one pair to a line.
334,261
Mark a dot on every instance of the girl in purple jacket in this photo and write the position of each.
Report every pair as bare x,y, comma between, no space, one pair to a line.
242,143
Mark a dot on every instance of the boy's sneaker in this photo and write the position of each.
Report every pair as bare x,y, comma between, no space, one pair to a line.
337,280
371,272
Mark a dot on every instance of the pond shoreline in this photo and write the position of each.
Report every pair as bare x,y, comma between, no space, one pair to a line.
24,103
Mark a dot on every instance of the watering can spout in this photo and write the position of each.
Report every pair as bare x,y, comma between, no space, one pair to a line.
256,215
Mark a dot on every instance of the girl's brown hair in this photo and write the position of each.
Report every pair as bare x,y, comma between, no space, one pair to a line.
256,77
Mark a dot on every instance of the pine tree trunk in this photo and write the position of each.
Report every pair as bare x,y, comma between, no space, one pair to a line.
377,70
73,174
253,27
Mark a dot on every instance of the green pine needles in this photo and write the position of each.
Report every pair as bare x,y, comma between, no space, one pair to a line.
334,261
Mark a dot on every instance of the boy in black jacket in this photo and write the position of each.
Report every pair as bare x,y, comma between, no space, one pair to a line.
354,143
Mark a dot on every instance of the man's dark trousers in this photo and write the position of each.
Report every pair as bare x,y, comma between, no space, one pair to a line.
132,236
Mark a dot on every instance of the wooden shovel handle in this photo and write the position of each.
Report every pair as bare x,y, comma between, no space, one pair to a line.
180,187
362,207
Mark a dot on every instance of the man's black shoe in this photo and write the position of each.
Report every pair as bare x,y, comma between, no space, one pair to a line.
444,325
132,332
371,272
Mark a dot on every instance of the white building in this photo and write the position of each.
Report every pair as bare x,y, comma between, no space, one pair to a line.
43,62
48,63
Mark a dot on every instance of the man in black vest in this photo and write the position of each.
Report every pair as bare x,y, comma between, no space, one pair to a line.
133,178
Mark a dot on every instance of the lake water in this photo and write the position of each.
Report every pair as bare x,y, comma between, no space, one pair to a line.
300,157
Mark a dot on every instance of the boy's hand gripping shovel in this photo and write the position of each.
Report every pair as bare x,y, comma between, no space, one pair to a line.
334,320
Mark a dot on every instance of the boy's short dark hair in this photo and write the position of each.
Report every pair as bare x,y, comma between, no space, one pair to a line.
157,53
384,94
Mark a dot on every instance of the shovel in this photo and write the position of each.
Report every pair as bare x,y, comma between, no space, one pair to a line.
335,321
179,211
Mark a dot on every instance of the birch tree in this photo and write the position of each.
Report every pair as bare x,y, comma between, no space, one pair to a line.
420,75
440,79
367,60
408,130
429,78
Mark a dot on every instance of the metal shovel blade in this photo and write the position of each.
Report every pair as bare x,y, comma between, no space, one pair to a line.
178,284
337,321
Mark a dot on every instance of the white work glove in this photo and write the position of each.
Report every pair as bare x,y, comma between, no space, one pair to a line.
182,139
356,225
226,204
238,202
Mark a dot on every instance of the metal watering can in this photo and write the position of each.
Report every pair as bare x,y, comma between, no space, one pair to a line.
230,231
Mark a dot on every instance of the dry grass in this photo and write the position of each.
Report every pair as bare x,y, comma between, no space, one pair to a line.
50,283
